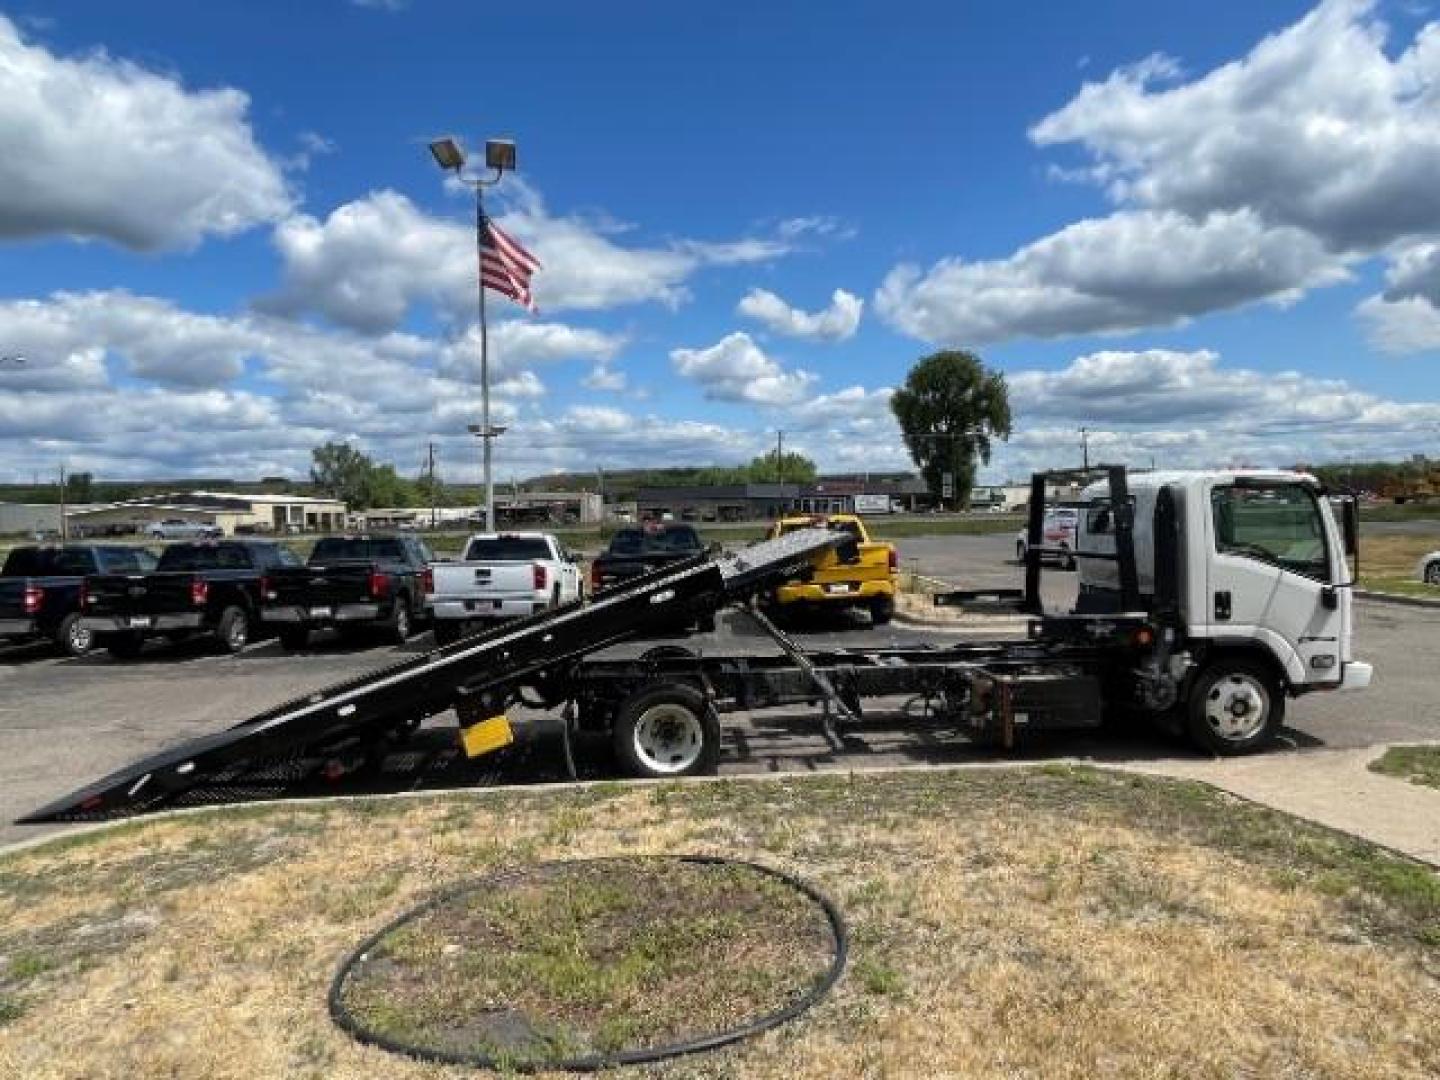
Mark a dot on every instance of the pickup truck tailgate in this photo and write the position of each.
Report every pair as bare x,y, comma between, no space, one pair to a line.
324,586
139,594
472,581
872,564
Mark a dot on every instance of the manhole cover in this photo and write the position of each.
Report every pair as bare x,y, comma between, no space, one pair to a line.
579,965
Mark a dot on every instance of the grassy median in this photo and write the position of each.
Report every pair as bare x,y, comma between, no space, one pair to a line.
1053,921
1418,764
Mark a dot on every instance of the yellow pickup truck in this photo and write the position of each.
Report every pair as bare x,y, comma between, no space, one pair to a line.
868,582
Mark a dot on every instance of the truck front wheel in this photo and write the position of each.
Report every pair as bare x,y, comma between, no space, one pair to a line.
234,629
72,637
1236,706
667,731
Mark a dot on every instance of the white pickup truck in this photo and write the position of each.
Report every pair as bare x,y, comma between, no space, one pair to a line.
500,576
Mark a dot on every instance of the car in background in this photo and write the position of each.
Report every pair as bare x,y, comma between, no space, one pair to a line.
866,580
1061,525
350,583
42,590
180,529
636,551
501,576
1428,569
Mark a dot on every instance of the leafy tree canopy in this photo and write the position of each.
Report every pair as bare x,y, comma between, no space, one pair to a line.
950,410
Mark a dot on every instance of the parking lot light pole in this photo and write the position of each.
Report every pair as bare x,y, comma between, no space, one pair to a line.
499,156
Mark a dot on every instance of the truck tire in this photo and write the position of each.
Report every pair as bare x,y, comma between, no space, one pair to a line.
294,638
447,631
1432,572
882,610
667,731
74,639
1236,706
233,631
125,646
400,627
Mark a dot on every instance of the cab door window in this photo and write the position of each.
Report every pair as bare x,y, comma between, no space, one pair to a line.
1277,524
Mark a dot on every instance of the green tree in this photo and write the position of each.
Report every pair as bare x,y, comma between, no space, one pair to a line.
792,468
80,487
950,409
342,472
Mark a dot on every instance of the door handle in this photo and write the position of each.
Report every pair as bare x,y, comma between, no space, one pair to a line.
1222,606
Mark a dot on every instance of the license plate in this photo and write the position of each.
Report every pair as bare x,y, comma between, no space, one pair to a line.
320,612
138,622
841,588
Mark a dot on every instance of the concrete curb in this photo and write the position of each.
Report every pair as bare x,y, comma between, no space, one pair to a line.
1396,598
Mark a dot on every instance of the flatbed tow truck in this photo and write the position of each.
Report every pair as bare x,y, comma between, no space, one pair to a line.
1239,598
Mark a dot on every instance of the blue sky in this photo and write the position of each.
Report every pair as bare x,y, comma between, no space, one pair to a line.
1209,233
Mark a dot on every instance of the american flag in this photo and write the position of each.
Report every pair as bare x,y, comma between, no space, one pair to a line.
505,266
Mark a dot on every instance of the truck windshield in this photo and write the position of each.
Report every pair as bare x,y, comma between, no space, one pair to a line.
660,542
1277,524
204,557
356,547
507,549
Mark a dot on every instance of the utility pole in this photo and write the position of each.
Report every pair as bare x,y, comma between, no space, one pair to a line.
434,514
64,530
1085,445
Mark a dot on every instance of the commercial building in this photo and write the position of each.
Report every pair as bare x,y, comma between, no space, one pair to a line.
720,502
233,513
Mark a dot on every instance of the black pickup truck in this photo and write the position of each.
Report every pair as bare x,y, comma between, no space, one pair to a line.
639,550
41,588
643,549
350,582
205,587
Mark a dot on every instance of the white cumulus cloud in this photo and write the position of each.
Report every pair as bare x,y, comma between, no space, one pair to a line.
837,322
97,147
736,369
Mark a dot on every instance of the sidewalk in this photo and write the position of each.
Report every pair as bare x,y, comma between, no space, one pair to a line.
1332,787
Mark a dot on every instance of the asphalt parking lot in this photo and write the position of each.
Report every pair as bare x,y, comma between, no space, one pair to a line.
65,722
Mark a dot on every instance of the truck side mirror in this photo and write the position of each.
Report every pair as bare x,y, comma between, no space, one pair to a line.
1350,525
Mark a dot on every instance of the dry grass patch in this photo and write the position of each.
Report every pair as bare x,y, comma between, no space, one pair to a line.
591,958
1046,922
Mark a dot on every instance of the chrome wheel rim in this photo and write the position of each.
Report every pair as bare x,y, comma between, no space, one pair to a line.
80,639
238,634
1237,707
402,622
1432,574
668,738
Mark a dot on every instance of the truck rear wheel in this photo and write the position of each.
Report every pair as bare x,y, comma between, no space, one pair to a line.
400,627
233,630
882,610
667,731
73,638
1236,706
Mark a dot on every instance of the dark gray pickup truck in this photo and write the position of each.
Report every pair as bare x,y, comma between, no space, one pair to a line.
207,587
41,590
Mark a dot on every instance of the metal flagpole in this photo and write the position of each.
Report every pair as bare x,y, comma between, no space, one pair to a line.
485,433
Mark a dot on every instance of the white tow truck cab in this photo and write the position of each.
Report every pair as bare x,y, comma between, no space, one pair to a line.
1250,570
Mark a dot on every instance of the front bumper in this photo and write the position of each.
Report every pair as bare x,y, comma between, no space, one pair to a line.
1356,676
853,592
320,614
18,627
124,624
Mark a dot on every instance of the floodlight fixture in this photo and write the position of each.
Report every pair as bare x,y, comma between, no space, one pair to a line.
447,154
500,155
